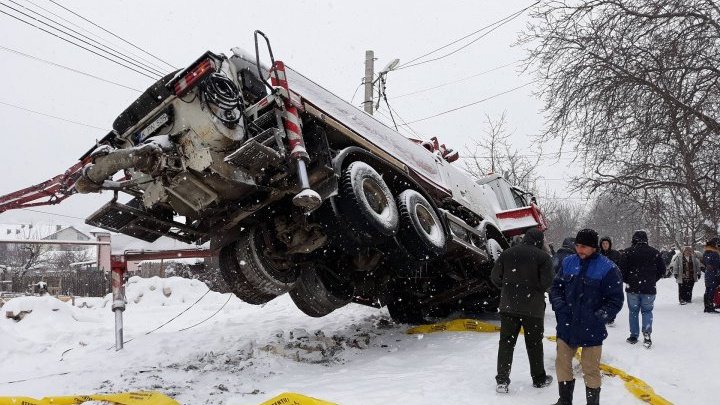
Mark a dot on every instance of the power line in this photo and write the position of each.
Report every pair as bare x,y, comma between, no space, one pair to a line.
169,320
473,103
52,116
230,295
94,43
530,155
155,65
497,24
381,93
178,315
391,117
362,81
78,45
49,213
154,74
453,82
111,33
404,122
566,198
67,68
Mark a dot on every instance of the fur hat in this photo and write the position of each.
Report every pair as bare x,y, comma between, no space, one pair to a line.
587,237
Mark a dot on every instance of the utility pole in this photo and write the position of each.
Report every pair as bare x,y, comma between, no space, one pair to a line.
369,73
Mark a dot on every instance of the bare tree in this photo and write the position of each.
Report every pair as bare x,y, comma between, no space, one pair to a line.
21,257
495,154
62,259
675,219
564,219
635,85
618,216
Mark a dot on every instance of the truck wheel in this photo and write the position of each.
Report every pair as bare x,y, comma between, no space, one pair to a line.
494,249
236,281
403,305
264,274
318,292
366,203
421,232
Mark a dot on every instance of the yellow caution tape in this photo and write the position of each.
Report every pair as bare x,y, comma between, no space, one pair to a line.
291,398
127,398
457,325
636,386
639,388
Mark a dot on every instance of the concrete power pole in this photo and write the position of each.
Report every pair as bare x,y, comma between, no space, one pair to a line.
369,73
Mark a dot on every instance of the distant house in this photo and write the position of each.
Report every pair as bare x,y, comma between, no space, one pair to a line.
65,268
15,253
21,232
69,233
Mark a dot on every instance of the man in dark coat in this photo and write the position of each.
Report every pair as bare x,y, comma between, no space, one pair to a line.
642,266
607,250
586,293
567,249
524,274
711,259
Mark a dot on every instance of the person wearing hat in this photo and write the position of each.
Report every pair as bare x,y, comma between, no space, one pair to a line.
586,293
523,273
711,259
642,266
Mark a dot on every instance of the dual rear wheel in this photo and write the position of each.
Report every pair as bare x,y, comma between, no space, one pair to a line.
371,213
250,270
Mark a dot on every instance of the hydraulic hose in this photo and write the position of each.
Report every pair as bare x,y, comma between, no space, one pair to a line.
145,158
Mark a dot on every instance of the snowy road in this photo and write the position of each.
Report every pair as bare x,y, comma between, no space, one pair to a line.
247,354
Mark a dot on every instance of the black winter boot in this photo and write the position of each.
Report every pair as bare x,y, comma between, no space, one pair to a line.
592,395
566,389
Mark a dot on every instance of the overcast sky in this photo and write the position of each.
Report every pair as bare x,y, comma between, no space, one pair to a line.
324,40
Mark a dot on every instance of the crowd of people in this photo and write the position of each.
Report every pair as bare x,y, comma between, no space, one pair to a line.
584,280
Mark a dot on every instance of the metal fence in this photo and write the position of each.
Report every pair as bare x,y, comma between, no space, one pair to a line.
82,283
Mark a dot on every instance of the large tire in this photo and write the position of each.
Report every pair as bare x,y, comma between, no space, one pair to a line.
494,249
421,231
367,204
236,280
262,273
318,292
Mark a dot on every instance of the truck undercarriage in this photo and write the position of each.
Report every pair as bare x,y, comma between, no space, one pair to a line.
299,192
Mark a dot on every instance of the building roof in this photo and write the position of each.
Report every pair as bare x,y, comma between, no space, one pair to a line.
28,231
71,229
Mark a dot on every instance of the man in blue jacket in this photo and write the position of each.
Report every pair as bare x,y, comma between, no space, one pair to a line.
586,293
711,260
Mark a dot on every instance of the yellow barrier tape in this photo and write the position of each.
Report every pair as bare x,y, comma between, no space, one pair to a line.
457,325
636,386
127,398
291,398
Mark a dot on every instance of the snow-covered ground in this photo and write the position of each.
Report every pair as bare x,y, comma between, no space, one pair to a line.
247,354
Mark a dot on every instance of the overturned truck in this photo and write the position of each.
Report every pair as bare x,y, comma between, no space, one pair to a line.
302,193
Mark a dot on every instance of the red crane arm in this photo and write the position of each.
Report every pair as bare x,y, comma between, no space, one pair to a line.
55,190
